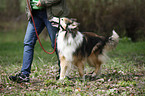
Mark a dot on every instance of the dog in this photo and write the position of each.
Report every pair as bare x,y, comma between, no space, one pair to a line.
77,48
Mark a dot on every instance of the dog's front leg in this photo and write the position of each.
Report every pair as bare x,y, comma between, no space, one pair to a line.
63,71
63,66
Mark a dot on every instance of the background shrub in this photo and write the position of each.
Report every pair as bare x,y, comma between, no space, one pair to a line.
127,17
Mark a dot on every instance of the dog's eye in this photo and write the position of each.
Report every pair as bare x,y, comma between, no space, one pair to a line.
62,19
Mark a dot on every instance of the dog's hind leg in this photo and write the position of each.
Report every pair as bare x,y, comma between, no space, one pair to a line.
80,66
97,70
96,63
100,59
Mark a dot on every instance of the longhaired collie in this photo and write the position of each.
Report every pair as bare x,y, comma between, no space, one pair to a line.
77,48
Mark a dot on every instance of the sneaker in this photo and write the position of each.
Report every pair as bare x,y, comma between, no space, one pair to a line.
19,78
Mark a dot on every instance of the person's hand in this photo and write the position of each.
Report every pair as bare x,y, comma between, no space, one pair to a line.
38,4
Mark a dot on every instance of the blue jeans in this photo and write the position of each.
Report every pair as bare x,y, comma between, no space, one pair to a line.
41,21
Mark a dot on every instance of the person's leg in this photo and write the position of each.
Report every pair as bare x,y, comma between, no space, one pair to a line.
29,42
52,31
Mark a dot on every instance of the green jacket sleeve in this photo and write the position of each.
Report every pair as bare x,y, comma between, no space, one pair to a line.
48,3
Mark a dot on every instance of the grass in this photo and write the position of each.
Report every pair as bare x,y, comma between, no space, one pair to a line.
123,74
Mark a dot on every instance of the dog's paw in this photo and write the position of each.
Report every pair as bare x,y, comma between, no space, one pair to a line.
94,74
83,78
61,79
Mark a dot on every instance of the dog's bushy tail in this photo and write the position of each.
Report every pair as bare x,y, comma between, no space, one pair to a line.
112,41
114,37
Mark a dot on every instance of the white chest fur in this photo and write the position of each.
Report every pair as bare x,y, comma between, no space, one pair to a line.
68,45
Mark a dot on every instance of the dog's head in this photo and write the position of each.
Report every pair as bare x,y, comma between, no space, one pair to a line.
64,23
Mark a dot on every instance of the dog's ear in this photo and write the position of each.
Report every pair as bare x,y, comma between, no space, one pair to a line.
55,22
54,19
68,21
74,25
73,19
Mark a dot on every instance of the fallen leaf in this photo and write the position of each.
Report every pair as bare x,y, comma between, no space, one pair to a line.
100,80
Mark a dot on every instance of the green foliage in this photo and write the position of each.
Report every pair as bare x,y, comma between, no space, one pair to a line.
126,83
125,39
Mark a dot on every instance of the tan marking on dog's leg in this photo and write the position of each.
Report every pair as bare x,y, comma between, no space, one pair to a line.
64,66
97,70
97,67
91,60
94,62
80,66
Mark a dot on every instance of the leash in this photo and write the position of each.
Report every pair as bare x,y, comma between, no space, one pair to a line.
37,32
